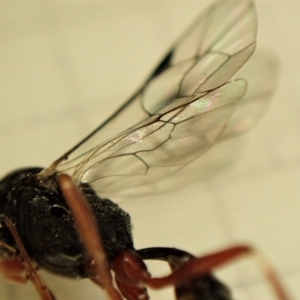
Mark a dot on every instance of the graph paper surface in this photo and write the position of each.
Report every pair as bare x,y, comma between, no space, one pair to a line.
65,66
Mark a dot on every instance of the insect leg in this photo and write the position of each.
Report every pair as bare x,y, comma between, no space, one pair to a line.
25,264
98,267
201,287
130,273
195,268
13,268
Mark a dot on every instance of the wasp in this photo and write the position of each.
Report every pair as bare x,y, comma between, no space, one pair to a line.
61,218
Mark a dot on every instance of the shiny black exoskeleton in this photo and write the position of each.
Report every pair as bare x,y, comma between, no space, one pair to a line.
46,227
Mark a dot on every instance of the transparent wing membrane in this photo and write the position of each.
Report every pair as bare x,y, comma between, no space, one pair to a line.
162,144
184,107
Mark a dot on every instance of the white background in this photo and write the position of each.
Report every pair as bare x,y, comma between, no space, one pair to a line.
65,66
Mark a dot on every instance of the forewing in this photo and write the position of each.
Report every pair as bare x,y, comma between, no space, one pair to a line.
261,72
205,56
192,73
162,145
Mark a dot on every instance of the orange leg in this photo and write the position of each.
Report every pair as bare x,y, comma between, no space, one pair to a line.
20,269
98,268
13,268
197,267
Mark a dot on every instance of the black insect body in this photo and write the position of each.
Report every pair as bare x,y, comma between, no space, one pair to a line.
42,214
58,218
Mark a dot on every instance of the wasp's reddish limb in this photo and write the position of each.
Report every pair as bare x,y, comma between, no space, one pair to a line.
20,268
13,269
203,287
191,275
98,267
196,267
130,274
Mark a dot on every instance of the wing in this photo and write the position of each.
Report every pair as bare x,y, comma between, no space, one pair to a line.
261,72
180,111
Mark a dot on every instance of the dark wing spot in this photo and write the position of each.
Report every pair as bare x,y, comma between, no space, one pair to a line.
165,64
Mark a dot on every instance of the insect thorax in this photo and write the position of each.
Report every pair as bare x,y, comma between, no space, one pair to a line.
46,226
